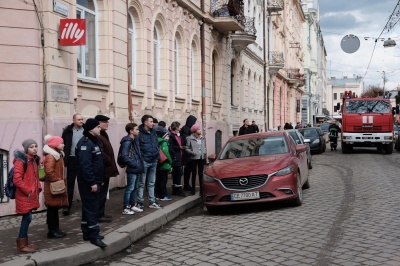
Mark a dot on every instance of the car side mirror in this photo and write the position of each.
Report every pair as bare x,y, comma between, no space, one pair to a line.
300,148
307,140
212,158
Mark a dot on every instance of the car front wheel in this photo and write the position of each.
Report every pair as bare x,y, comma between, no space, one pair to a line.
298,201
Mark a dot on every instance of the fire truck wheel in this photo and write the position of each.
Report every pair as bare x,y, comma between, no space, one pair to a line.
345,148
388,148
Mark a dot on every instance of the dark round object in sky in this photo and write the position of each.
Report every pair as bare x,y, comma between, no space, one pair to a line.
350,43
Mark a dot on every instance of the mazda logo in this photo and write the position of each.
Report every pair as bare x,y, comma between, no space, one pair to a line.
243,181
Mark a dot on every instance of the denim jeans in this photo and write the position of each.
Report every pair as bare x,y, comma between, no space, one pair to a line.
131,188
149,178
26,220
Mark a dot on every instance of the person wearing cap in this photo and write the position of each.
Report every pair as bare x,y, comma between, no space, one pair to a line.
54,170
90,165
110,166
196,148
150,153
26,180
71,135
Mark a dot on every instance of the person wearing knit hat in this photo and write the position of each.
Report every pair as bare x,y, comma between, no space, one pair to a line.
28,186
54,170
194,128
196,148
90,166
27,143
91,124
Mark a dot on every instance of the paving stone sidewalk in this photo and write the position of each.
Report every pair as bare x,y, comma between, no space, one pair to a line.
129,228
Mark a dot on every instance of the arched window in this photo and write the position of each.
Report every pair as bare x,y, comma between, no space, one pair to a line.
214,93
233,83
132,49
156,59
87,54
176,64
192,69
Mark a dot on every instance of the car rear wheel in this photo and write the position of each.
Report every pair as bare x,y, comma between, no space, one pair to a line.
299,200
309,164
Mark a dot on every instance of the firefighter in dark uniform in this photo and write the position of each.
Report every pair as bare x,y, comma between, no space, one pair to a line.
334,131
90,167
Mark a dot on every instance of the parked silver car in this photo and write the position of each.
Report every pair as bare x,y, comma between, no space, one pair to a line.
299,139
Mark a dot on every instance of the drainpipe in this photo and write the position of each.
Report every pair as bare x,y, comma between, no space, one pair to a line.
203,72
44,114
266,111
128,65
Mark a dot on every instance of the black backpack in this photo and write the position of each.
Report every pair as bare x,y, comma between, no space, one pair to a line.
9,187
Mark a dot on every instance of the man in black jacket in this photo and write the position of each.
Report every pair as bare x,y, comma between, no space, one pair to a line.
90,177
71,135
246,128
176,151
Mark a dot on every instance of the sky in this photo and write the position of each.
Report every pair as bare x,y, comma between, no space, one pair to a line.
362,18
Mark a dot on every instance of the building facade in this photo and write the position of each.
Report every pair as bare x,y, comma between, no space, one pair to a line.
339,86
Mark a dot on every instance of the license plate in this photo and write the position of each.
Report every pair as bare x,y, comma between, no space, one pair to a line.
245,196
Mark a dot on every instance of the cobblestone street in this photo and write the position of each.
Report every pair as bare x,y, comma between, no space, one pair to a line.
350,216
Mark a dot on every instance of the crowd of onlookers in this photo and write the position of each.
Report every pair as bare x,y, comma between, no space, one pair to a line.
148,153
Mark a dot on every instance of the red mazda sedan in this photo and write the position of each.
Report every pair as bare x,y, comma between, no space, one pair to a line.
258,167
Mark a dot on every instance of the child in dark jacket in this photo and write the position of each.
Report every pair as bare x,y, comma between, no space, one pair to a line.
28,187
131,156
163,168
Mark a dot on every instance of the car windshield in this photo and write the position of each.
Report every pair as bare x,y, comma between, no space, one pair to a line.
324,127
310,133
371,106
254,147
295,137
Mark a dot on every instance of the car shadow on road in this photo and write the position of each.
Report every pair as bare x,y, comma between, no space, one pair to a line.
251,208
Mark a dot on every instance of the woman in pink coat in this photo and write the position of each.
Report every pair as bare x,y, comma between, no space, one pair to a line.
28,187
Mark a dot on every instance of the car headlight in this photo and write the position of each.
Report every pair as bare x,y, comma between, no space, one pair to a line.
315,141
285,171
208,179
387,137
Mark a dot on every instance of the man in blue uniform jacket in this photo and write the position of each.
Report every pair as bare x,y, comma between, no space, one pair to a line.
90,179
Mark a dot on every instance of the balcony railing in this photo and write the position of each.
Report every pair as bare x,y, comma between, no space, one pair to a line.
276,59
275,5
241,39
249,27
293,73
232,15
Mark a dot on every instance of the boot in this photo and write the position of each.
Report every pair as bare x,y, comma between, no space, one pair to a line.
178,191
22,246
31,245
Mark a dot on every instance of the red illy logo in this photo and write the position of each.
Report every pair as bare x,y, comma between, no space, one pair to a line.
72,32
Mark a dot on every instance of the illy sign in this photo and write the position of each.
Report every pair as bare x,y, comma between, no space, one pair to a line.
72,32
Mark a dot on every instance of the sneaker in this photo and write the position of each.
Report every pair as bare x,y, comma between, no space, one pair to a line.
139,206
166,198
127,210
155,205
136,209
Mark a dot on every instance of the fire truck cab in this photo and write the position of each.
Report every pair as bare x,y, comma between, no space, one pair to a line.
366,122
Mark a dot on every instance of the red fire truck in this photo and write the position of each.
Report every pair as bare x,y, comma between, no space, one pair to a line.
366,122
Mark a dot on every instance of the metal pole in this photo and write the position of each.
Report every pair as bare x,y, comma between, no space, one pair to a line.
265,73
203,72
